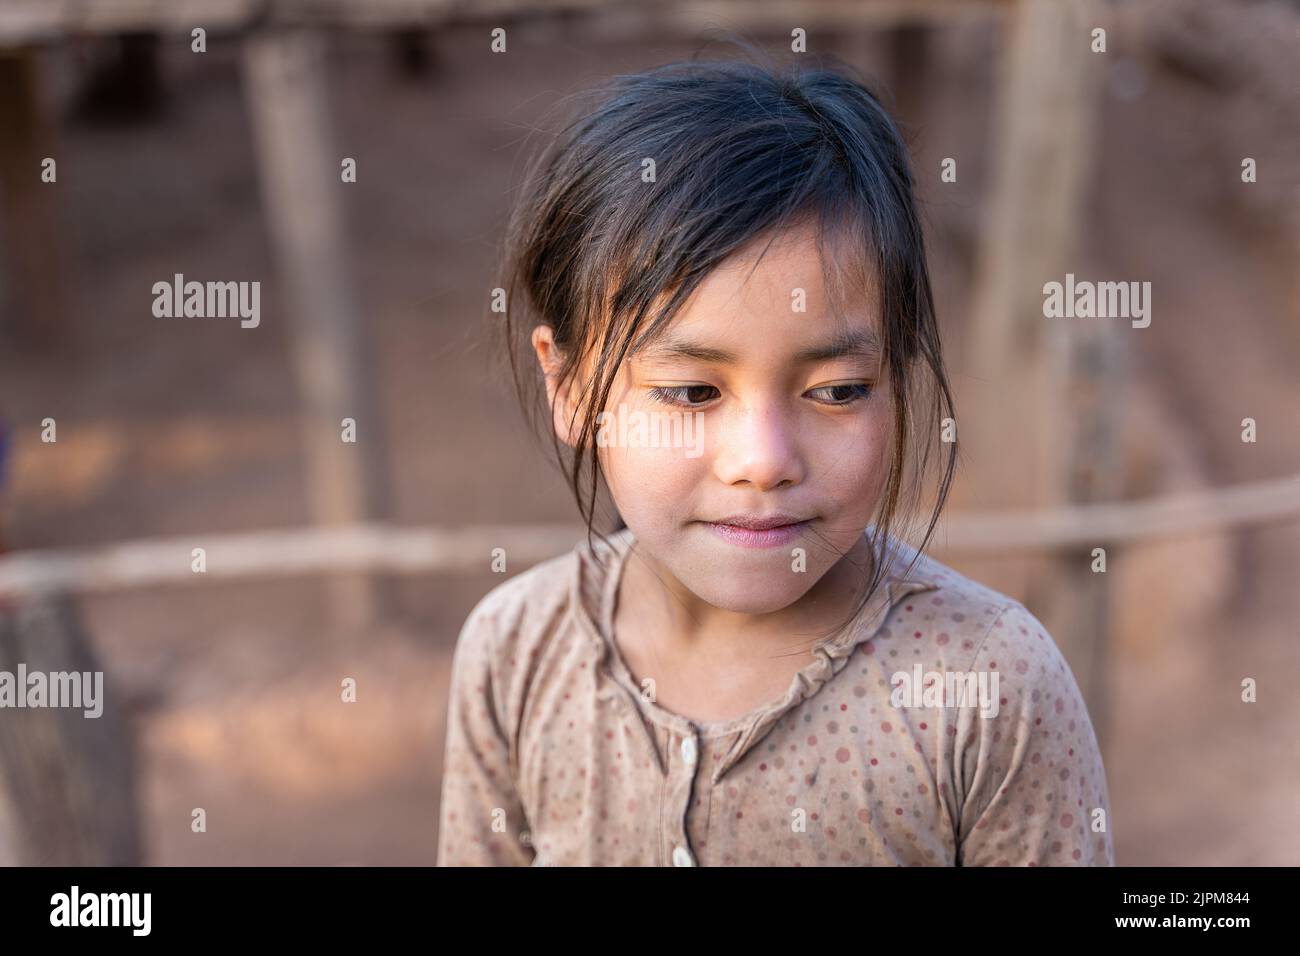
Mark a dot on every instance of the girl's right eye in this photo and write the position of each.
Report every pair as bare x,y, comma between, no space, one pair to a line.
684,396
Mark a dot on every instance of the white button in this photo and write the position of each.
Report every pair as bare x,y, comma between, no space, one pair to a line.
682,858
688,749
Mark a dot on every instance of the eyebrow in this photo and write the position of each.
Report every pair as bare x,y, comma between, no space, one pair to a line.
846,344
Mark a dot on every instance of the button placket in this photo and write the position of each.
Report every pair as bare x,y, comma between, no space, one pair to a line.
682,777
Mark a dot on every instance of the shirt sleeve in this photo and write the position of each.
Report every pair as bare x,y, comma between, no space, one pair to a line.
481,817
1035,786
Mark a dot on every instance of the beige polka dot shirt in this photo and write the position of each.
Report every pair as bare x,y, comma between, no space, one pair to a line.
946,729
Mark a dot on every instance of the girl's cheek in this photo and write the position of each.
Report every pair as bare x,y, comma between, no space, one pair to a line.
646,474
655,489
849,466
667,469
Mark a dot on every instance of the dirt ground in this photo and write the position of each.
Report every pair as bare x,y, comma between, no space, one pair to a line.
180,428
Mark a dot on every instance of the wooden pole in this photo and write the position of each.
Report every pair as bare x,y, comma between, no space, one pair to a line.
299,168
1050,381
67,780
37,304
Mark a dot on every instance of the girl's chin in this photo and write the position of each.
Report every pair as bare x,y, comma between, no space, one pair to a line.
749,593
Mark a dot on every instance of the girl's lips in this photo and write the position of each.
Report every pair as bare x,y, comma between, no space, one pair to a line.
755,537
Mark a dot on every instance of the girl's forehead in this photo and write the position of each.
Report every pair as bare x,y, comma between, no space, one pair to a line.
780,326
803,266
792,288
811,345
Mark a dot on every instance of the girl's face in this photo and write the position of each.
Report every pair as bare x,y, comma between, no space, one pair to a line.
747,447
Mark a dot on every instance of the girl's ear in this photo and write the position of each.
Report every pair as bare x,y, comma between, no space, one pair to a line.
562,402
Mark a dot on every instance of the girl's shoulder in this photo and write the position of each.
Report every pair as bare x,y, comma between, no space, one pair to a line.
535,593
561,595
944,587
964,618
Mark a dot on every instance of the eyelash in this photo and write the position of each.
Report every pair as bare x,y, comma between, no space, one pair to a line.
671,394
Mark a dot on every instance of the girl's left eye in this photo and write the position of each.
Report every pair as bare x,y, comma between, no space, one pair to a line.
840,394
684,396
694,396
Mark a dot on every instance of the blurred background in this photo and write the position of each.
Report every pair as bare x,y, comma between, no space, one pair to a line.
1114,158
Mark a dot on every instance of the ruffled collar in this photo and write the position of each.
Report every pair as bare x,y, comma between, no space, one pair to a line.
595,590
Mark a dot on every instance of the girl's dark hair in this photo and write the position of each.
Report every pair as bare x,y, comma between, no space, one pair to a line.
742,149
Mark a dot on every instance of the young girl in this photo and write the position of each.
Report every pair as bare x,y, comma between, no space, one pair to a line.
721,274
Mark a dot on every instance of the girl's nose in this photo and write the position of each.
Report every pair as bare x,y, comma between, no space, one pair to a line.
758,446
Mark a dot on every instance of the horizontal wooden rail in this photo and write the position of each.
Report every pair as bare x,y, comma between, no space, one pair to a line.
404,550
1121,522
